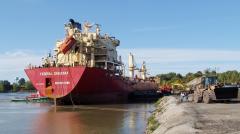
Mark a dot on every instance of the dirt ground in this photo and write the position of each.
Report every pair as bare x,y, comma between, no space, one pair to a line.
215,118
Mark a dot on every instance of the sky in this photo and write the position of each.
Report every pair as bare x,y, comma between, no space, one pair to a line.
170,35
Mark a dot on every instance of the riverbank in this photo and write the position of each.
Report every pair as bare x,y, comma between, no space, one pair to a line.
170,117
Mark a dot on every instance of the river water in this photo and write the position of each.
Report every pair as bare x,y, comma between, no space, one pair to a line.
43,118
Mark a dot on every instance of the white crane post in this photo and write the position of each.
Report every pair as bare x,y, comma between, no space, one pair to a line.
143,71
131,65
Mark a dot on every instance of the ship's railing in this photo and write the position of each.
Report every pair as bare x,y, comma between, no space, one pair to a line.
100,52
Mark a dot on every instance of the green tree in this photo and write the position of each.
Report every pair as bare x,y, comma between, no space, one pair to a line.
209,72
15,87
189,77
21,82
229,77
1,86
29,86
5,86
198,74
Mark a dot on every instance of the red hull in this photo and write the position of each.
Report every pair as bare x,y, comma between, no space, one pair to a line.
79,85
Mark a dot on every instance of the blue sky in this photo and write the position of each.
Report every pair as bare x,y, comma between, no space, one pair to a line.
30,28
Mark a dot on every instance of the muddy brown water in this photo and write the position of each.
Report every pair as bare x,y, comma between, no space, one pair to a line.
43,118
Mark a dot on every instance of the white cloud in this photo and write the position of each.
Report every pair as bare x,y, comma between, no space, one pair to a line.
156,55
13,63
184,60
158,60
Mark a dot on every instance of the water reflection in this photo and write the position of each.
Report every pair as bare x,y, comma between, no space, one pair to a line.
104,119
35,118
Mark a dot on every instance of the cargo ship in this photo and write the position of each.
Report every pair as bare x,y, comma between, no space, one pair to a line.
86,69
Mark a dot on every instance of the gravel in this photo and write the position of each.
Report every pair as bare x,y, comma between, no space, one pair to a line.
192,118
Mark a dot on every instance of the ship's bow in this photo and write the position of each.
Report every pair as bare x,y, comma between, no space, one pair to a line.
55,82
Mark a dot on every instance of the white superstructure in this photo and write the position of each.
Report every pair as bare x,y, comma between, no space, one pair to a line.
86,47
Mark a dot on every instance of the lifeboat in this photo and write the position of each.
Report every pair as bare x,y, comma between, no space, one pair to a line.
67,44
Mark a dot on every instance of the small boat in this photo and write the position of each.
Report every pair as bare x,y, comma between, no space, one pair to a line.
34,100
39,99
19,100
34,97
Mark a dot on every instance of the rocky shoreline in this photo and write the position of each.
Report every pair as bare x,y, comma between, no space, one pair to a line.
170,117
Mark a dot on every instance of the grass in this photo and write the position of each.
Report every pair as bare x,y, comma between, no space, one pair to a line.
152,124
158,102
159,105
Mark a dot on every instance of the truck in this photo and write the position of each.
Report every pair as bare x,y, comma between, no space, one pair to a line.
207,89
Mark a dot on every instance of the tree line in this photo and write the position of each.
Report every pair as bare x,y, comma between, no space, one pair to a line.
228,77
19,85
